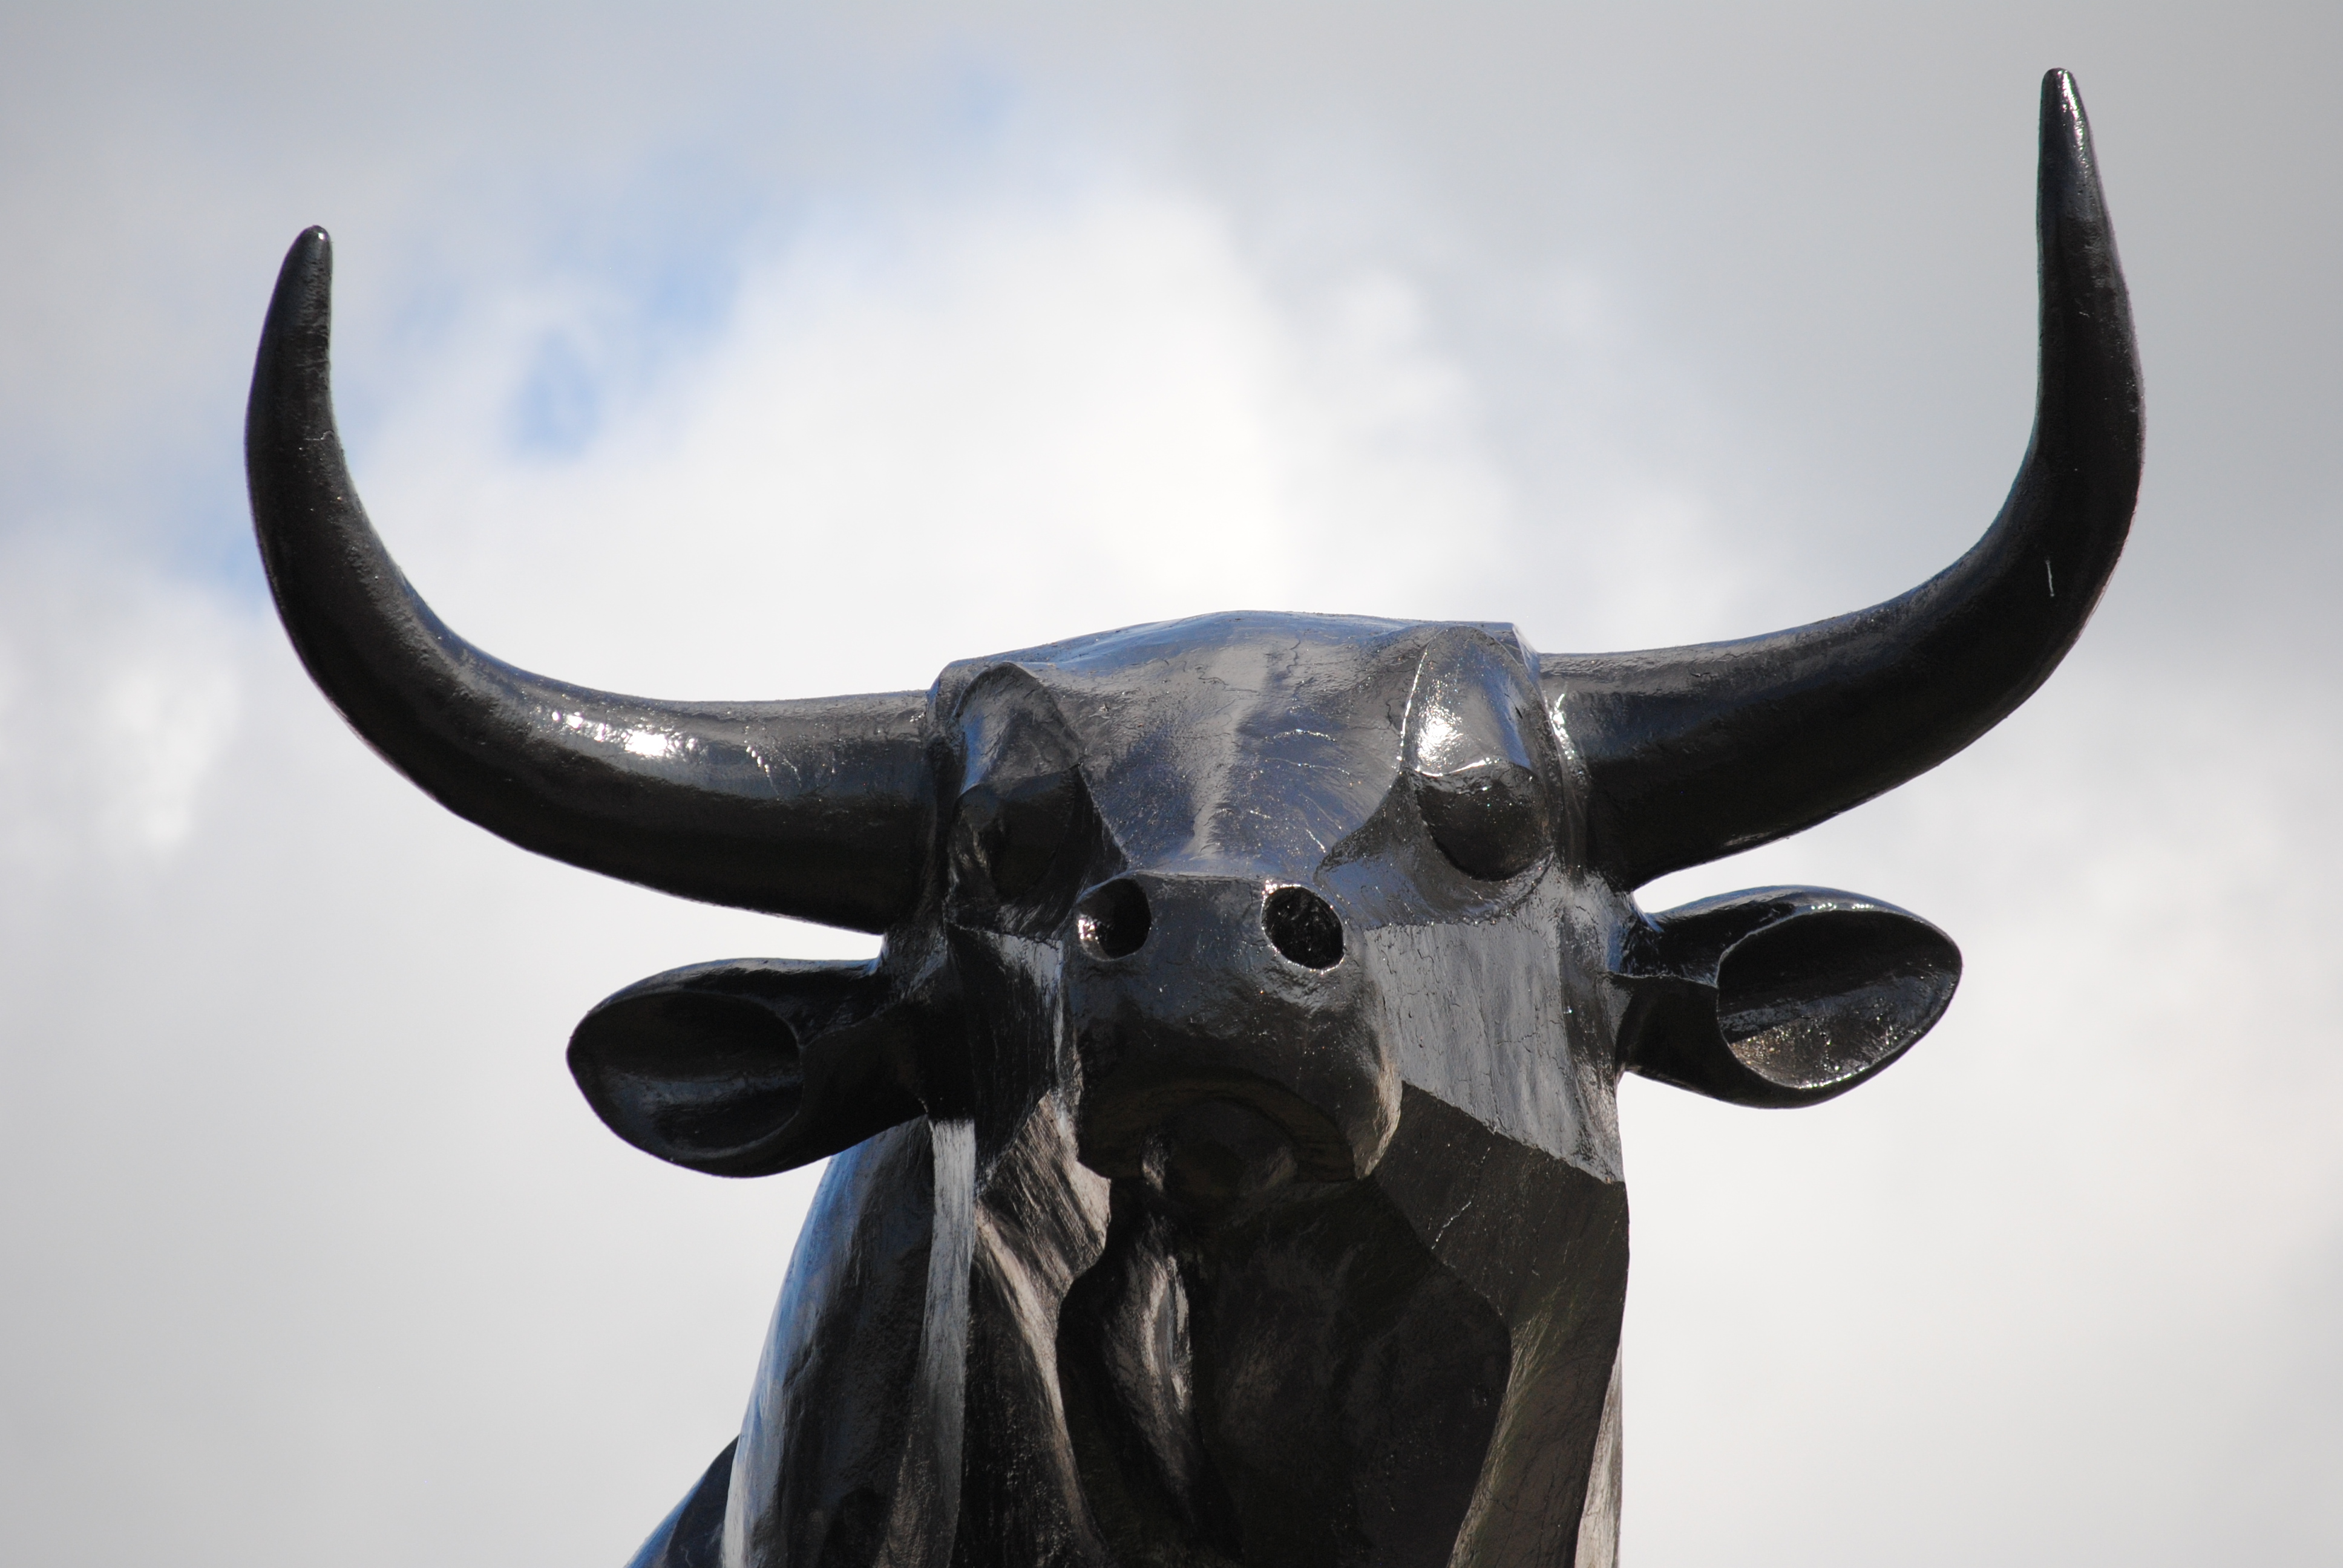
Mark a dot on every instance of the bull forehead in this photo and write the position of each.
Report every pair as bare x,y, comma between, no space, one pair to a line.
1240,742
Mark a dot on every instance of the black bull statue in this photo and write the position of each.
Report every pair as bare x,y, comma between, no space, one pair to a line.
1224,1165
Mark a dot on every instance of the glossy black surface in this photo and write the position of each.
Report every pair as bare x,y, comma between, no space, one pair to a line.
1226,1163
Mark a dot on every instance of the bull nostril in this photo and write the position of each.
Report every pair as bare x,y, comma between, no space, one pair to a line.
1114,918
1303,927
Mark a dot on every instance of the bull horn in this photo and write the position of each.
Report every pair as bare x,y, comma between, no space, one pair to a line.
1696,752
812,809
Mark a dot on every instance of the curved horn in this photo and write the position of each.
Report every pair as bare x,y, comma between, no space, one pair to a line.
814,808
1696,752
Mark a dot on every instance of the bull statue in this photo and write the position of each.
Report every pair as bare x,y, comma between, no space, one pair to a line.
1224,1152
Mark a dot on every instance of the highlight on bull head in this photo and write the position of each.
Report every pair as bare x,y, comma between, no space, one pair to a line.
1225,1161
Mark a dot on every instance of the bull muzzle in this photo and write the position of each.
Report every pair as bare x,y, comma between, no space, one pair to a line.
1228,1040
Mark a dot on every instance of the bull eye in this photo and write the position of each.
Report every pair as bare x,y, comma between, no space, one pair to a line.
1011,836
1488,818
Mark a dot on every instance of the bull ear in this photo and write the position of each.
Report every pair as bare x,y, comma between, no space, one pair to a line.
1781,996
750,1066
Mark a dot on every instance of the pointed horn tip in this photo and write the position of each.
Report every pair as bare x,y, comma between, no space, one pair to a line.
2063,115
290,364
2068,162
311,246
310,256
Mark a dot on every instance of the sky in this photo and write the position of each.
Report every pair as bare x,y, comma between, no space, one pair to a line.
777,350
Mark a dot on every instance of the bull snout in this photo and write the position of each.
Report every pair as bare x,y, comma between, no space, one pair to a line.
1227,1038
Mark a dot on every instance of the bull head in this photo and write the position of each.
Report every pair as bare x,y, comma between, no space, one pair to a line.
1228,1168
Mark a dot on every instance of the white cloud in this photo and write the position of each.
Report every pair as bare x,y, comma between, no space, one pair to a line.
992,427
117,699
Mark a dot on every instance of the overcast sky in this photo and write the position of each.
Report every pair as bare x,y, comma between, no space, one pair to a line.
754,352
